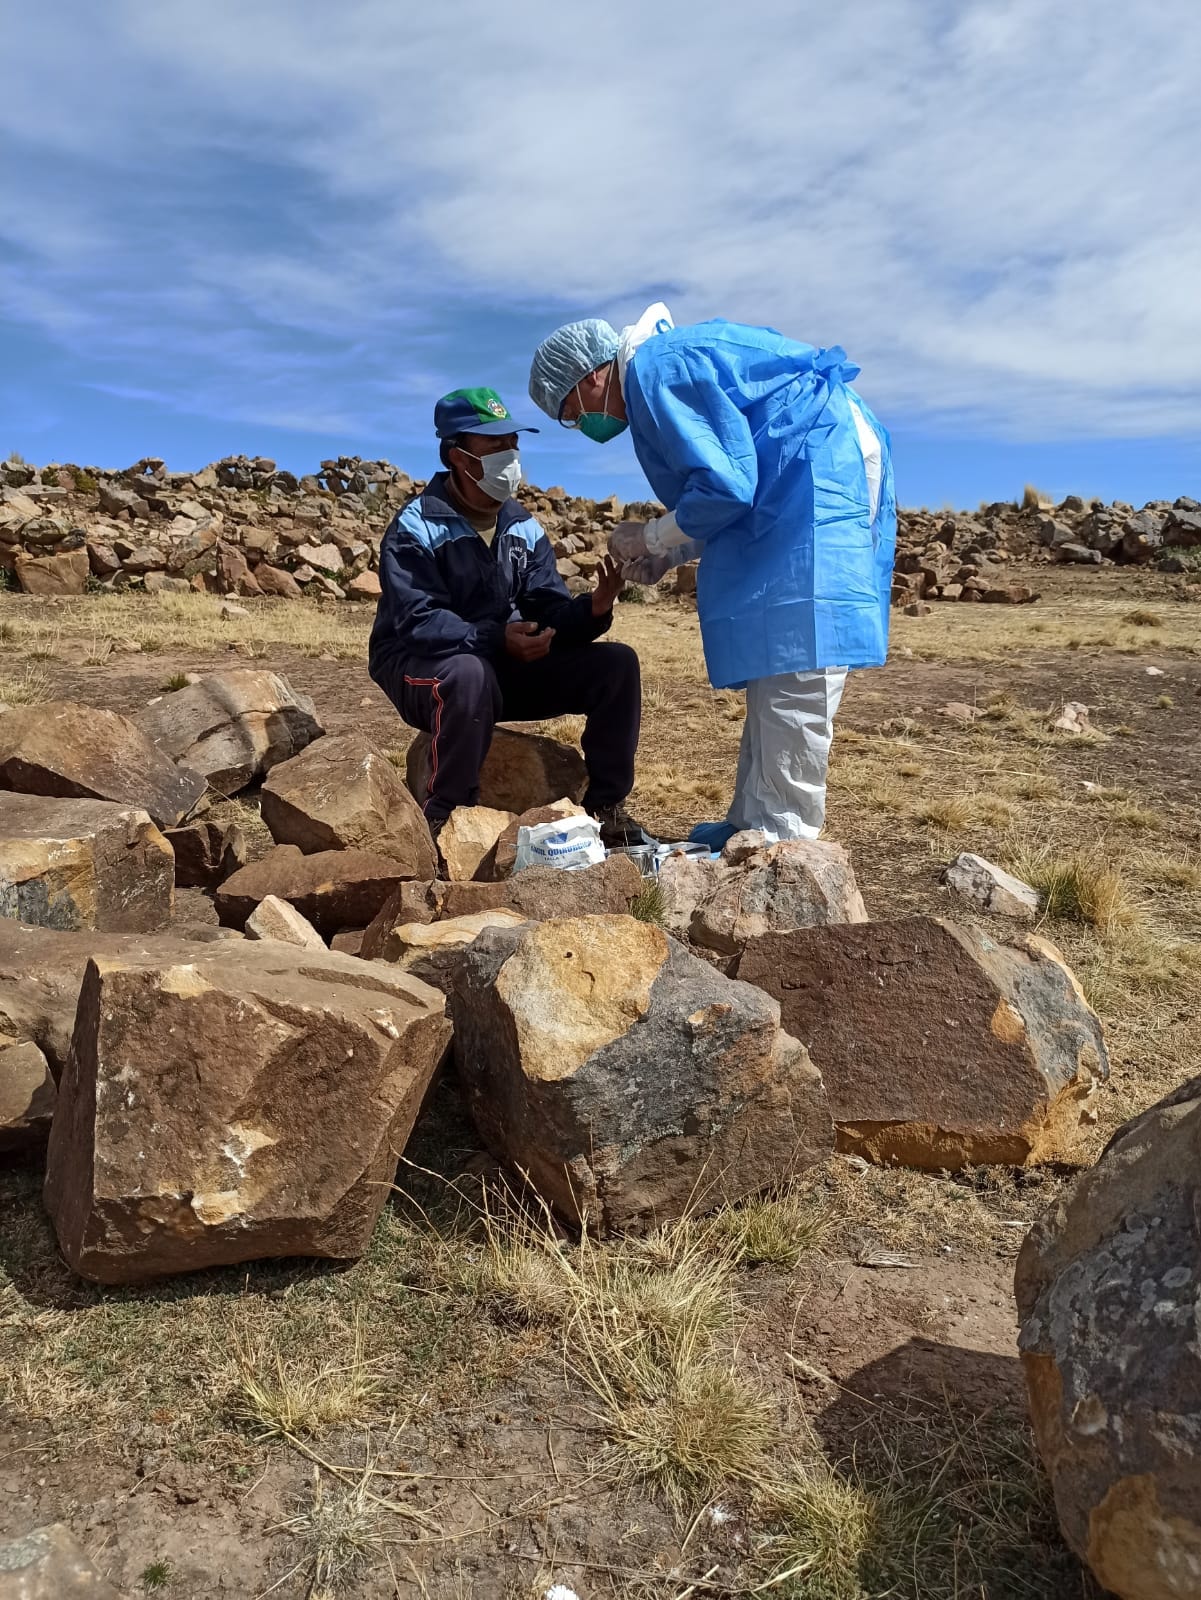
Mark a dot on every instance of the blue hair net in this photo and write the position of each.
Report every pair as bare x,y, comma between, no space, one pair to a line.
566,356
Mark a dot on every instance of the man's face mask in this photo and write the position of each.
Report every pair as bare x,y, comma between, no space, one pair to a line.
500,473
599,425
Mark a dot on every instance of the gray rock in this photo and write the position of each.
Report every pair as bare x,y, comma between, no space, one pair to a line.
1109,1295
232,726
48,1564
992,888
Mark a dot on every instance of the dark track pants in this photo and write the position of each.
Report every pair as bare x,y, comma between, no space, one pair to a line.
458,700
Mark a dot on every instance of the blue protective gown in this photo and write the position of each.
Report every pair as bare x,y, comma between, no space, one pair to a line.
749,438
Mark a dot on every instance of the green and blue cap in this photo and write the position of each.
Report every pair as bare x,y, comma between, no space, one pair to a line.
474,411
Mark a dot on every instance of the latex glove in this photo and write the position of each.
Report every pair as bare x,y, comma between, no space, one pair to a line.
664,533
628,541
648,570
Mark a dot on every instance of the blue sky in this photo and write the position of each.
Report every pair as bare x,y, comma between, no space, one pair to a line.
285,228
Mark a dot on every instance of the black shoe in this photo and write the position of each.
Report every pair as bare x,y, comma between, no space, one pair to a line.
619,830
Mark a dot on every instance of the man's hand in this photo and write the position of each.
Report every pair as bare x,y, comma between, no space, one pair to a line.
610,581
628,541
524,643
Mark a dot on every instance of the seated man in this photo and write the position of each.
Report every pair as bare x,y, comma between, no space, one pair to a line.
475,625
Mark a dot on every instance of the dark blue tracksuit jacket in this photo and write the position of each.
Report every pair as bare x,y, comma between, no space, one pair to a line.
446,592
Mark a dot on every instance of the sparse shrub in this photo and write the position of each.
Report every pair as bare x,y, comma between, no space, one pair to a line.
85,483
156,1576
50,477
632,595
1080,888
8,580
1033,499
649,904
1142,618
1164,702
177,680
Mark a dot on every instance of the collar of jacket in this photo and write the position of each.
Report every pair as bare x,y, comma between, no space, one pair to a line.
436,505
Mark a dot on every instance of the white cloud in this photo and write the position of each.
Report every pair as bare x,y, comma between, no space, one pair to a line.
992,205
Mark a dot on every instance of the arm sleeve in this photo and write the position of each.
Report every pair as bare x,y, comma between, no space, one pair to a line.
544,599
703,436
425,623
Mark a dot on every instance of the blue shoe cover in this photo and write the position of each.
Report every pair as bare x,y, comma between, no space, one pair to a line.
716,835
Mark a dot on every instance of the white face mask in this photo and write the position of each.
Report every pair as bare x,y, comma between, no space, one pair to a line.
500,473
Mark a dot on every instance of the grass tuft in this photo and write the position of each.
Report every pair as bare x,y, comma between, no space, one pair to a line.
775,1230
1079,888
1142,618
649,904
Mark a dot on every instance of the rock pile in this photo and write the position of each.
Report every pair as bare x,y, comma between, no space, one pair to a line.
229,1093
242,526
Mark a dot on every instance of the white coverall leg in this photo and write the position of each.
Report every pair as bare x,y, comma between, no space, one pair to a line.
785,752
780,788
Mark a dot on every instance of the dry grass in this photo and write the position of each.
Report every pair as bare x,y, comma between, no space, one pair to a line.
287,1397
1083,887
778,1230
28,687
340,1532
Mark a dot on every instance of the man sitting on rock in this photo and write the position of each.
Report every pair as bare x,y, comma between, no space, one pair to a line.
476,626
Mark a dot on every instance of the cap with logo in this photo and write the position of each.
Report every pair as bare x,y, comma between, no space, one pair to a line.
474,411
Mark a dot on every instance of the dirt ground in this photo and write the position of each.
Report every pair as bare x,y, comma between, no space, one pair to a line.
738,1406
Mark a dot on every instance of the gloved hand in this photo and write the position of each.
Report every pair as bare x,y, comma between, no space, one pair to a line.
648,569
628,541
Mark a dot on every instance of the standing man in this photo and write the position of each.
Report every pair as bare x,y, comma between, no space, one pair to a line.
778,477
476,626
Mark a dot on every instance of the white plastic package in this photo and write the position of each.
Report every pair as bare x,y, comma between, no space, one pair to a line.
570,843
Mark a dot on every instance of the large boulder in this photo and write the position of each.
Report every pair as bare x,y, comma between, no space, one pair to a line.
939,1047
334,889
1109,1296
48,1564
224,1102
79,752
520,771
538,894
624,1076
83,864
232,726
27,1094
65,572
344,794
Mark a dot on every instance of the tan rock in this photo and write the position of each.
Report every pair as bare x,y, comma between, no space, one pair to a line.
1073,718
48,1564
273,918
206,853
939,1047
467,843
334,889
232,726
224,1102
27,1095
80,752
431,951
344,794
365,587
321,557
83,864
625,1077
520,771
65,573
1108,1296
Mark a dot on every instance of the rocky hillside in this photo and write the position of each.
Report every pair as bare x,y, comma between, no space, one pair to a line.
242,526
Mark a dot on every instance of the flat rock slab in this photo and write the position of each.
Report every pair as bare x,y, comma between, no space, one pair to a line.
1109,1294
222,1103
939,1046
538,894
232,726
71,864
27,1094
627,1078
48,1564
276,919
334,889
520,771
432,951
79,752
343,793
